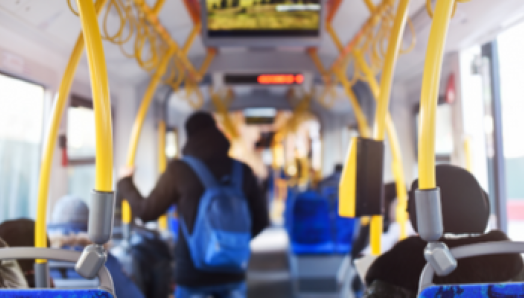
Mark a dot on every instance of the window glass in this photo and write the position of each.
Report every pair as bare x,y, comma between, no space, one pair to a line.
511,47
81,181
171,143
80,132
21,127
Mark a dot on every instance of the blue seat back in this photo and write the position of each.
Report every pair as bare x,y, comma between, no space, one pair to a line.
310,230
509,290
343,229
46,293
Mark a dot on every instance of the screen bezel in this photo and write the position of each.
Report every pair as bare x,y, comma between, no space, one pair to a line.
248,40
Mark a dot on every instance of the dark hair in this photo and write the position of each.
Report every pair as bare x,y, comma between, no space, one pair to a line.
465,205
21,233
199,121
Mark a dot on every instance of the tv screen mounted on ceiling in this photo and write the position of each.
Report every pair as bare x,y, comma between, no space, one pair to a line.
267,23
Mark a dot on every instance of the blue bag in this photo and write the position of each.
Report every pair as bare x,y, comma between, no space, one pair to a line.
222,229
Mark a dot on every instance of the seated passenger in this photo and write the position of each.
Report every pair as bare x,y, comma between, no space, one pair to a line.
68,229
180,185
11,276
465,212
21,233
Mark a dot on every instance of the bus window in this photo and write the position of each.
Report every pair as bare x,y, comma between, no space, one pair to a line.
511,47
21,128
81,147
172,144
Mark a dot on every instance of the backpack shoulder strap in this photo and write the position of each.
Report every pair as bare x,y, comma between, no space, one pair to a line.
200,169
238,174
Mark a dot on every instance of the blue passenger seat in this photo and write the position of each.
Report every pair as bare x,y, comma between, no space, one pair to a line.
105,290
484,290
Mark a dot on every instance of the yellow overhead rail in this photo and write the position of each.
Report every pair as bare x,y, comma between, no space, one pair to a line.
299,114
222,103
381,26
52,134
140,35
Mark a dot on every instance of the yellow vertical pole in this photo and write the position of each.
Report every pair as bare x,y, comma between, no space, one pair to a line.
383,120
139,123
362,121
429,93
467,154
101,99
162,164
50,141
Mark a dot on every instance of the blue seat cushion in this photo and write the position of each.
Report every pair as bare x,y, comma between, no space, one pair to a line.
513,290
47,293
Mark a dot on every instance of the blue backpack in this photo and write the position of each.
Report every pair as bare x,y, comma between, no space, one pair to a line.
222,229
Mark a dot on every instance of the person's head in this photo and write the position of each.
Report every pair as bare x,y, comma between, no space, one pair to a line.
390,198
465,205
21,233
69,222
338,168
198,122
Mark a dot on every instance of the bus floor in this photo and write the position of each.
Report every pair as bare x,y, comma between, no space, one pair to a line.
269,271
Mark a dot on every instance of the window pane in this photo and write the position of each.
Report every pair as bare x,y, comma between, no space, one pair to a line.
80,133
21,126
171,144
511,47
81,181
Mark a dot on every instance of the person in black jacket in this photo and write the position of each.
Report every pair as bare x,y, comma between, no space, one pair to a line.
465,212
179,185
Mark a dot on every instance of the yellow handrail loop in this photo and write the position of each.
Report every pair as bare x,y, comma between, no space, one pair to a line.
52,135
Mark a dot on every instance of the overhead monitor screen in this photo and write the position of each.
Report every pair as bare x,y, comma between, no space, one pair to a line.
263,18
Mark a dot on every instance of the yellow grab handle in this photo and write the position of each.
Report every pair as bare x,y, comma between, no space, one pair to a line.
162,164
467,154
376,230
429,93
144,106
394,44
362,121
347,186
101,99
139,123
50,141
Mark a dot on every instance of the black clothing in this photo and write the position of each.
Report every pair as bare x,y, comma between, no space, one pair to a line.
180,185
399,269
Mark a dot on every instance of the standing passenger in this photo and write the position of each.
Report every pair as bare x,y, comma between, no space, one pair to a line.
181,185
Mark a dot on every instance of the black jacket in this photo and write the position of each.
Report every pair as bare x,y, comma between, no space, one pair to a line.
396,273
179,185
